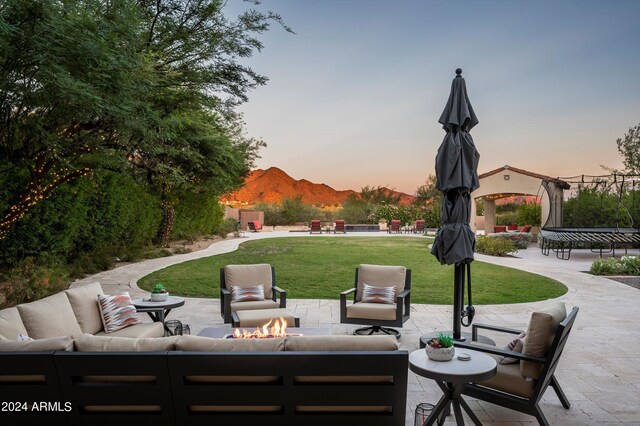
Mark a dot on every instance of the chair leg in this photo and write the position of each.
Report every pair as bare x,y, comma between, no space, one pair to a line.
540,416
368,331
561,396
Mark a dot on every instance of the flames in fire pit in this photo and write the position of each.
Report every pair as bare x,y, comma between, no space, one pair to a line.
278,329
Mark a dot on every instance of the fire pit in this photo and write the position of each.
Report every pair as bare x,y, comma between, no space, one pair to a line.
267,331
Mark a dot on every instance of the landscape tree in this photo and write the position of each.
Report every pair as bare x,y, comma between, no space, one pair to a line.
427,193
142,87
629,148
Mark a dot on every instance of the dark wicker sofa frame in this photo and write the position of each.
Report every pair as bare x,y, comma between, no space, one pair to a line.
161,388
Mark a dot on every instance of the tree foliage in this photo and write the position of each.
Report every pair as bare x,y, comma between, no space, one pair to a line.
629,148
141,87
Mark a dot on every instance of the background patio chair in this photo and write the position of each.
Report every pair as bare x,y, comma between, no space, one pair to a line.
254,225
525,228
546,337
245,276
499,228
379,316
339,227
315,227
394,227
419,226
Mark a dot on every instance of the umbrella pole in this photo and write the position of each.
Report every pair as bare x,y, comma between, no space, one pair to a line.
458,301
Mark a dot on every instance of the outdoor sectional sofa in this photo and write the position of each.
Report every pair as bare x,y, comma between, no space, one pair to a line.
72,312
75,374
190,380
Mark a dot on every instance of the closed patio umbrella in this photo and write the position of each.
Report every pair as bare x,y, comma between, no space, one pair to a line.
456,177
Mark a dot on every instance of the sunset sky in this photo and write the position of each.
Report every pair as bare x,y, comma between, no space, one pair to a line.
354,96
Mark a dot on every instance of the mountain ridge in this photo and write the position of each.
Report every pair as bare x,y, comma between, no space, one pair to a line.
272,185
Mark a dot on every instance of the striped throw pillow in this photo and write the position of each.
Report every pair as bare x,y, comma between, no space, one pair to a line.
117,312
371,294
248,293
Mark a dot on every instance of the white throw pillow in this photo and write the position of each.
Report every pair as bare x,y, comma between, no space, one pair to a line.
372,294
117,312
247,293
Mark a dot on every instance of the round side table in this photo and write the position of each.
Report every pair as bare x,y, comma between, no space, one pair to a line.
452,376
158,311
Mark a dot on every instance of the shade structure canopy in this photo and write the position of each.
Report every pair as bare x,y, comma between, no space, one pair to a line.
456,177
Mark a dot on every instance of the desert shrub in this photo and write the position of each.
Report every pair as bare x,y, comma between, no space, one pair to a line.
290,211
196,213
227,226
521,240
507,218
495,246
109,213
628,265
32,282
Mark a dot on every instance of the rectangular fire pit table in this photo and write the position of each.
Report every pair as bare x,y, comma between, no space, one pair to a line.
220,332
259,317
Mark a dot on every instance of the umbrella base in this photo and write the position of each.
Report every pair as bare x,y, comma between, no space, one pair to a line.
368,331
464,337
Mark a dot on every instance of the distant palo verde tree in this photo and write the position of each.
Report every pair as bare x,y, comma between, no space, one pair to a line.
140,87
629,148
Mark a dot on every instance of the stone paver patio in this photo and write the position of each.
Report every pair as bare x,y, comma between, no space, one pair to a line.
599,370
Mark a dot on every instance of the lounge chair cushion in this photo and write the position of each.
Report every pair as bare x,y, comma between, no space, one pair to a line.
540,334
11,323
49,317
508,379
64,343
258,304
249,275
84,301
381,276
341,343
90,343
149,329
373,311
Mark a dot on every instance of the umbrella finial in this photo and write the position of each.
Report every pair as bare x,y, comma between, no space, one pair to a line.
458,72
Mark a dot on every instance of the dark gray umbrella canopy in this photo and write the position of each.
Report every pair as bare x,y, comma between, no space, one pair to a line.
456,176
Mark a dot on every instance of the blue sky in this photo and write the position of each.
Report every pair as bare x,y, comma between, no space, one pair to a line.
354,96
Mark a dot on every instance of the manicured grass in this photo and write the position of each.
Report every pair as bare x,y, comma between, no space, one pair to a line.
322,267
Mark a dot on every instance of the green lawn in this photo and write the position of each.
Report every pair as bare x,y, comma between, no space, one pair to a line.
322,267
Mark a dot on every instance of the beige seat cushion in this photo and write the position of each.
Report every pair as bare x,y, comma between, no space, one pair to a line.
197,343
49,317
509,379
381,276
254,304
260,317
540,334
150,329
90,343
84,301
61,343
11,324
249,275
341,343
374,311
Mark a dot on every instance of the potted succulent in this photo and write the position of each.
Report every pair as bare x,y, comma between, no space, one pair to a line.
440,348
159,293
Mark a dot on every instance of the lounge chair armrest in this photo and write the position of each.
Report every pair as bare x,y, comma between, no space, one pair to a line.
347,292
225,292
481,347
475,327
283,295
404,293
